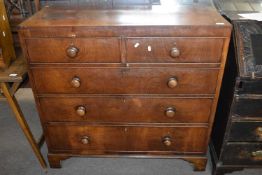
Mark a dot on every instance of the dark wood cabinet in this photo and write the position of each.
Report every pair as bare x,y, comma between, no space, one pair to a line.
134,83
237,134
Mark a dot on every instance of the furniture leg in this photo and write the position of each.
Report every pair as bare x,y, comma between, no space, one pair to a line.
14,88
55,160
22,122
37,5
198,163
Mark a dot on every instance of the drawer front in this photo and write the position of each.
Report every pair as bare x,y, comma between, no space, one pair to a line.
127,138
174,50
246,131
87,50
247,107
249,86
242,154
124,80
125,109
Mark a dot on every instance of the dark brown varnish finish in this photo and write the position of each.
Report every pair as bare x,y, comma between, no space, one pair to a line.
112,109
205,50
126,138
132,83
90,50
125,80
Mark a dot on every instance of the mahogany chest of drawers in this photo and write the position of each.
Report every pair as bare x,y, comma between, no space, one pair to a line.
136,83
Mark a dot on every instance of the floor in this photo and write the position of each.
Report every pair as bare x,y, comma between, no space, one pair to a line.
16,156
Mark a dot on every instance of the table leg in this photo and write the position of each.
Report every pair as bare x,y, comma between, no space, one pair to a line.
23,124
37,5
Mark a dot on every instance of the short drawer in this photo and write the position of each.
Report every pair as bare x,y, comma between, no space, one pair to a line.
170,50
125,109
127,138
249,86
125,80
246,131
65,50
247,107
242,154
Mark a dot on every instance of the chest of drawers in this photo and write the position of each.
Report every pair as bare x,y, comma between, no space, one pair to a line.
135,83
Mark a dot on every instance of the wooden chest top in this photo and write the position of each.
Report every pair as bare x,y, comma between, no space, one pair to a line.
130,22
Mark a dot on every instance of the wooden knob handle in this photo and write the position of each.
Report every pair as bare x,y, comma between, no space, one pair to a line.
76,82
175,52
257,154
81,110
85,140
172,82
72,51
170,112
259,131
167,141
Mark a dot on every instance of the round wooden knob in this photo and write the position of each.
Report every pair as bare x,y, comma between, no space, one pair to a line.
170,112
172,82
81,110
72,51
167,141
259,131
257,154
175,52
85,140
76,82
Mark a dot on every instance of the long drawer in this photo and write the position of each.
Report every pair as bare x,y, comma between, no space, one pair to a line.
159,50
126,109
160,80
66,50
242,154
246,131
126,138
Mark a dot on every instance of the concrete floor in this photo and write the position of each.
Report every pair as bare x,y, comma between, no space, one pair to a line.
17,158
